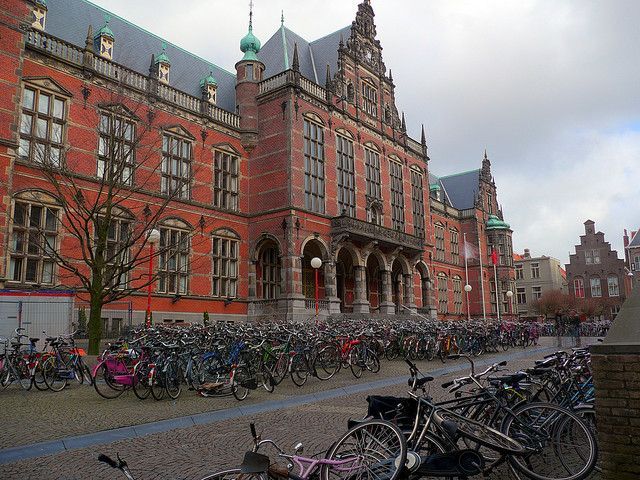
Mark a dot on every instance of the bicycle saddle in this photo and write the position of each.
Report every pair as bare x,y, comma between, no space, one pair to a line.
33,339
420,381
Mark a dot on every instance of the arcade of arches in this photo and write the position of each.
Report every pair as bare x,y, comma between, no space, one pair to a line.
352,279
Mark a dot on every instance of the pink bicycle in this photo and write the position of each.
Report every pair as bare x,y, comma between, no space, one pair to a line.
370,449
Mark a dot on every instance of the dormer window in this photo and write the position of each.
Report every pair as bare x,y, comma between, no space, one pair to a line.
39,15
209,88
369,99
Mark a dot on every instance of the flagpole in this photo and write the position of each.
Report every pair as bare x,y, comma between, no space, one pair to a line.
484,308
466,273
495,282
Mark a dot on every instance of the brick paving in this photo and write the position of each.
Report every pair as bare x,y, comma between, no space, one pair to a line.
185,453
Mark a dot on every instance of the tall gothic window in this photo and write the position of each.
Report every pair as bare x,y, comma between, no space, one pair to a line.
457,294
455,246
397,195
173,265
41,127
116,147
372,164
270,265
439,234
346,176
417,201
117,253
369,99
176,166
225,265
443,302
313,166
225,194
33,238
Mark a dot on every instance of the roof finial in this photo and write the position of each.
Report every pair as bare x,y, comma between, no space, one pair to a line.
107,18
404,123
282,19
250,15
327,80
485,154
423,139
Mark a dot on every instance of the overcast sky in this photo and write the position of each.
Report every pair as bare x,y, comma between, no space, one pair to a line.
550,88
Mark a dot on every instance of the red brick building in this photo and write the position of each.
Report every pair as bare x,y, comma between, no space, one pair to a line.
300,153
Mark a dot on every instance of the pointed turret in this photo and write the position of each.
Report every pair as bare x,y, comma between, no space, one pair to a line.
423,142
163,65
403,125
104,40
485,173
249,73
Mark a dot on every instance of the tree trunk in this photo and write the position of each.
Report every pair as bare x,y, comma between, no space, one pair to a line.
95,324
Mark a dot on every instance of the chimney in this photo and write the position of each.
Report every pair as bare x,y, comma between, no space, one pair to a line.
527,253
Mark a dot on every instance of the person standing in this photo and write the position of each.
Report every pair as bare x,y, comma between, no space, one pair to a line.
559,327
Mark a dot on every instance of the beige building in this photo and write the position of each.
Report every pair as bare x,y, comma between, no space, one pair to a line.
534,276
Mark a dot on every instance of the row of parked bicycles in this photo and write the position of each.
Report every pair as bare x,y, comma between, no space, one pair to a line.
539,423
58,364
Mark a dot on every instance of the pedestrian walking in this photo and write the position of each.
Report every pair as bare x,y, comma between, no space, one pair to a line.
559,327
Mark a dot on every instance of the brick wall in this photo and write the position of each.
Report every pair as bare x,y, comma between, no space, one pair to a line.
617,382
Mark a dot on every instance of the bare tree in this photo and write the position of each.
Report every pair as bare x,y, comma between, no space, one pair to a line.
106,213
552,302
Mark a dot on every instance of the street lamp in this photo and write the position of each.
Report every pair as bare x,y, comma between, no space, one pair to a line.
510,297
467,289
152,238
316,263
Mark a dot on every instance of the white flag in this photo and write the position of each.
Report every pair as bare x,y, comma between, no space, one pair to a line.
470,251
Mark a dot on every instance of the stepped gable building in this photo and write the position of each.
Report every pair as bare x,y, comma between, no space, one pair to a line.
631,241
595,272
301,152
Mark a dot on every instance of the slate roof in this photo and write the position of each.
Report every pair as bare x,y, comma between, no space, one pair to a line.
277,53
461,188
635,241
69,20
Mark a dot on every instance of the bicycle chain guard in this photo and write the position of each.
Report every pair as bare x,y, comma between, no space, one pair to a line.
460,463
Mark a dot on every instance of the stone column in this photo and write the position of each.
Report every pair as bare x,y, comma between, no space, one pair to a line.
253,287
360,301
387,306
292,299
330,287
409,298
616,374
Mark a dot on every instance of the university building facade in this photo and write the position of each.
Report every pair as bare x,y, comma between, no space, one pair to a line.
300,153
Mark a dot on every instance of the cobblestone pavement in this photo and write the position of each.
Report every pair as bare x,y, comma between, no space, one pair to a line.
186,453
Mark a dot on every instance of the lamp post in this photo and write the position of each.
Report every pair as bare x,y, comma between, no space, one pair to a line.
467,290
510,297
316,263
152,238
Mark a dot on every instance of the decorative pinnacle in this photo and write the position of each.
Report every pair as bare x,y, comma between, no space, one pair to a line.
251,15
295,65
327,81
404,123
282,19
89,40
485,154
423,139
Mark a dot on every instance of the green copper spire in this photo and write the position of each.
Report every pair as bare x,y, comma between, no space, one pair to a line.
105,31
250,45
208,80
162,58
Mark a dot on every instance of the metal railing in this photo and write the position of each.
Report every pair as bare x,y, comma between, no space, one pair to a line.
310,304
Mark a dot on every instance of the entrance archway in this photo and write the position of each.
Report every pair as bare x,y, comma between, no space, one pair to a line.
312,249
425,285
374,272
397,286
268,271
345,280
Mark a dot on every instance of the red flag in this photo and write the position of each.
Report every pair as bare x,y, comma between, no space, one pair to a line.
494,256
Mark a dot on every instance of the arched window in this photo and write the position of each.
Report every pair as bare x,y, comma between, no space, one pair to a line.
596,287
443,301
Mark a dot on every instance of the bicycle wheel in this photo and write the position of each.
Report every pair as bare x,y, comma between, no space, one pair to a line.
240,384
105,385
38,378
52,375
156,383
80,371
299,369
356,362
173,380
280,368
379,450
141,386
560,446
266,380
371,361
327,362
431,350
235,474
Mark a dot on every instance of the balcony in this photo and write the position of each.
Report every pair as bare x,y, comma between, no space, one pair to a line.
366,232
